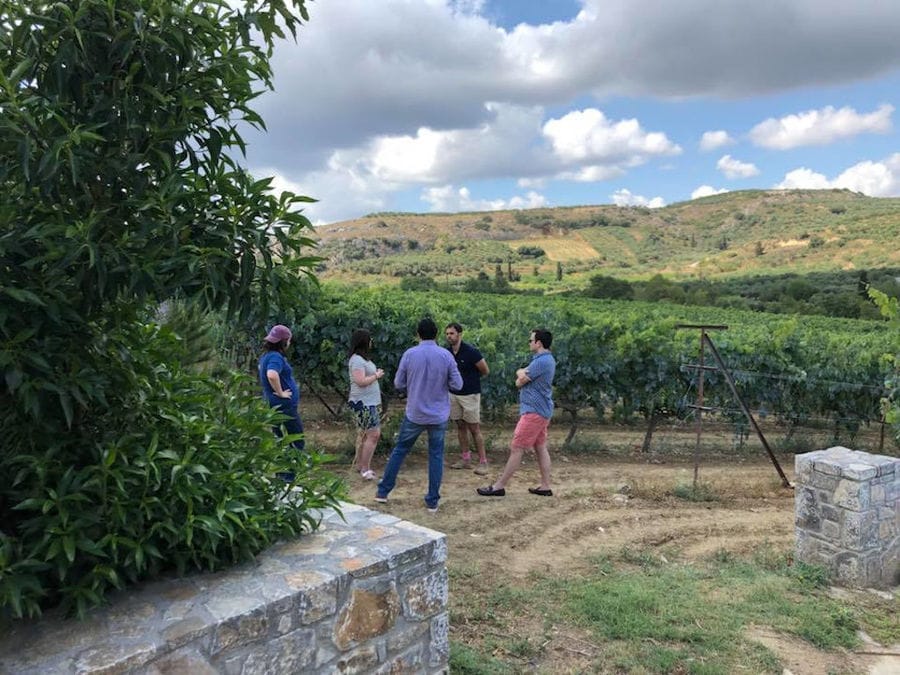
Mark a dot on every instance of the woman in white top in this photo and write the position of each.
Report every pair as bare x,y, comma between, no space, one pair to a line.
365,399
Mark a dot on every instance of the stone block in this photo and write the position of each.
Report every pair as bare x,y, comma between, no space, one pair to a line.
240,631
318,598
806,509
115,657
852,495
859,471
407,556
803,465
291,653
367,614
859,531
440,640
831,530
849,568
831,513
406,634
360,660
427,596
180,662
439,552
411,662
822,481
188,629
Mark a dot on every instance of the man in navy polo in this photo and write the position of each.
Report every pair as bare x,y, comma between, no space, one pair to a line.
465,403
426,373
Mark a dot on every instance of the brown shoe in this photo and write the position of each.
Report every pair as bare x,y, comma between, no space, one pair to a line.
481,469
462,464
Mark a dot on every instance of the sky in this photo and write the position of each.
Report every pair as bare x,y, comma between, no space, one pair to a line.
473,105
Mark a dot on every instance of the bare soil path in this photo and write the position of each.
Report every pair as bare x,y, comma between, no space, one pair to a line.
602,504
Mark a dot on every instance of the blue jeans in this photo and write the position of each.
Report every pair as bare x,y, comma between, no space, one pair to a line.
292,425
406,437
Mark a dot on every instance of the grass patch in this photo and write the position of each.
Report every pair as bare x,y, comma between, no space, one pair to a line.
639,612
689,618
467,661
702,492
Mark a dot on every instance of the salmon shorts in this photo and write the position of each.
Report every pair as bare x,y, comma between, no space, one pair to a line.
531,431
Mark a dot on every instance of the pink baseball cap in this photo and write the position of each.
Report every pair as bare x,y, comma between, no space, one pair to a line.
278,333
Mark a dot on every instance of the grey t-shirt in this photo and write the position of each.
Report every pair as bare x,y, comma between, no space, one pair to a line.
369,395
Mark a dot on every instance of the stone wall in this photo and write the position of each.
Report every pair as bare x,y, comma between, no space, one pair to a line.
847,507
368,595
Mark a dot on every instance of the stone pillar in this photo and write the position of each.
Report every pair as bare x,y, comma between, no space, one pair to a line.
847,515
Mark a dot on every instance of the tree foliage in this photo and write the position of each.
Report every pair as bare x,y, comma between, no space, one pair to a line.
890,308
121,188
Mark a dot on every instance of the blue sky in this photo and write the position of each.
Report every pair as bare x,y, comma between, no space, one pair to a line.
469,105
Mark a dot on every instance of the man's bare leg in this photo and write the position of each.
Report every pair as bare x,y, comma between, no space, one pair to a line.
462,433
475,430
512,464
543,458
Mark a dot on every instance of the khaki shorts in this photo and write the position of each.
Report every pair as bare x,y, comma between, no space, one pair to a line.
465,407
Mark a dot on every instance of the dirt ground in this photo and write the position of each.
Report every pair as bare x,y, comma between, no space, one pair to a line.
602,503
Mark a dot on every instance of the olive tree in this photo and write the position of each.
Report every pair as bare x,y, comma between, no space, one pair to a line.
121,188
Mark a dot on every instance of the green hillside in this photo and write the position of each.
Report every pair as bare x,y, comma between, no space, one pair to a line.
749,233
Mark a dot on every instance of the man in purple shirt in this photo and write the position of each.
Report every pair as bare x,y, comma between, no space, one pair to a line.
426,373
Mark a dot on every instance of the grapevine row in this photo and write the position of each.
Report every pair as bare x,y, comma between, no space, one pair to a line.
620,358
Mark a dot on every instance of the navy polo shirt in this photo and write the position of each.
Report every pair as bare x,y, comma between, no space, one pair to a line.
466,358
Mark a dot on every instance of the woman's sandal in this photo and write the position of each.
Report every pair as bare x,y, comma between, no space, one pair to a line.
367,475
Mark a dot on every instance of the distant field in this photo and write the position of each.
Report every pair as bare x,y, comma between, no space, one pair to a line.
572,247
742,233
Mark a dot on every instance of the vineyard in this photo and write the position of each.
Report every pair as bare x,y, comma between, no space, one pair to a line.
623,361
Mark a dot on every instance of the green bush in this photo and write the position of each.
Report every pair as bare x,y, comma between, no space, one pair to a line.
120,457
175,473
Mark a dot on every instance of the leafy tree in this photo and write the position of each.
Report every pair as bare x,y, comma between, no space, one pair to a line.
122,189
890,309
602,286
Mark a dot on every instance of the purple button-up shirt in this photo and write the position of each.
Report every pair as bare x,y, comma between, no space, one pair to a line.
427,373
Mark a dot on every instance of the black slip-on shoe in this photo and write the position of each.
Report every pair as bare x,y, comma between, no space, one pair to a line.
489,491
540,491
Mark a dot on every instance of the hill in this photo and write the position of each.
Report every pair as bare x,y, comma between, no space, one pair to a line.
753,232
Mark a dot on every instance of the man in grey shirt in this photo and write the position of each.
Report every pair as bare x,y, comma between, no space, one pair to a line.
426,373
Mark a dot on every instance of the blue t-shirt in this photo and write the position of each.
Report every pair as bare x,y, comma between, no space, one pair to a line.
276,361
466,358
537,395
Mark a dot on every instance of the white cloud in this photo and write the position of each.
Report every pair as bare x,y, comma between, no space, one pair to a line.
706,191
804,179
733,168
359,71
449,198
588,136
713,140
876,179
582,146
624,197
820,127
375,98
